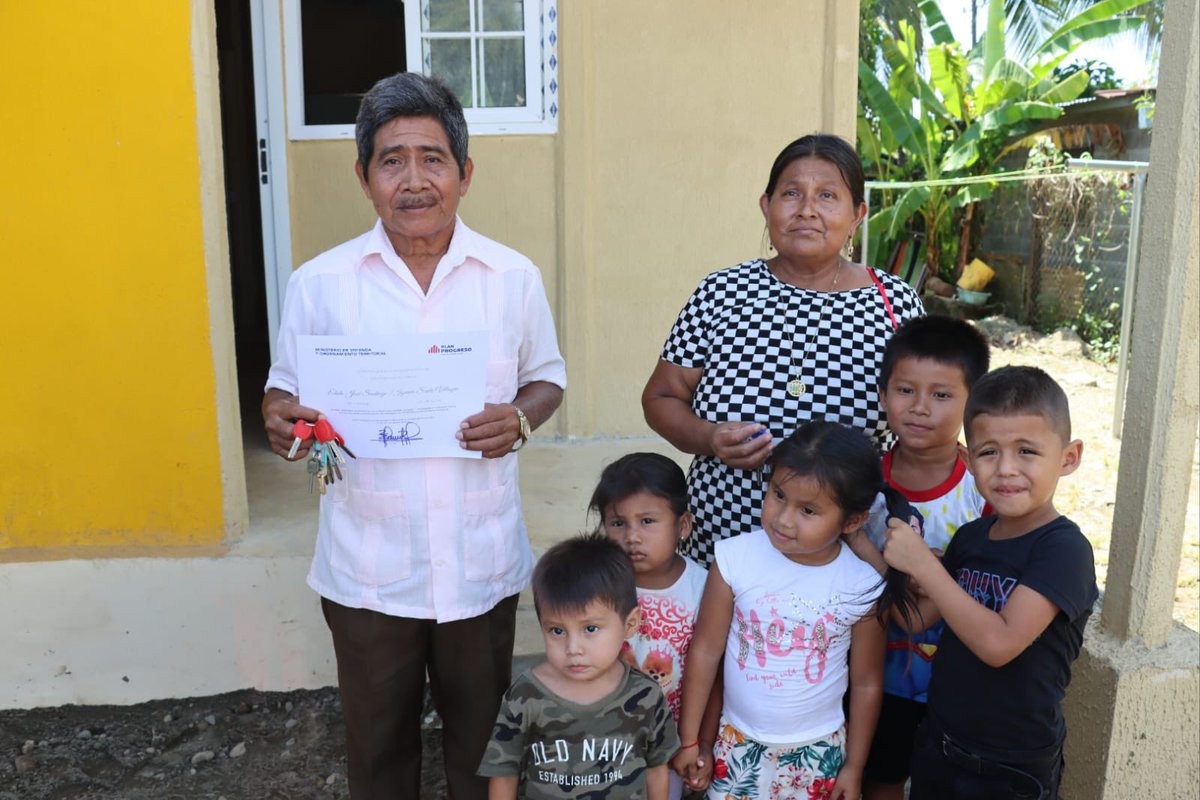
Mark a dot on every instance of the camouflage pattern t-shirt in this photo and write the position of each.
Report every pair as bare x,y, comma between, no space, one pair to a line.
567,751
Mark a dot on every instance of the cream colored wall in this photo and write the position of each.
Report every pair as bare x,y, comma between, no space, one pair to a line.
325,202
511,198
669,125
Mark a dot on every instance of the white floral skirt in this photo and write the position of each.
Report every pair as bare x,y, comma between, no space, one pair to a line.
744,769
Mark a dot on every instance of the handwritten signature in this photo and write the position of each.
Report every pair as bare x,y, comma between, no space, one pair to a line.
409,432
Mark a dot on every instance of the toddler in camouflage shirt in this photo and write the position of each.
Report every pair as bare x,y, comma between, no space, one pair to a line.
583,724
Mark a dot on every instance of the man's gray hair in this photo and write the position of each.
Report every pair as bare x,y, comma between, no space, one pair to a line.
410,94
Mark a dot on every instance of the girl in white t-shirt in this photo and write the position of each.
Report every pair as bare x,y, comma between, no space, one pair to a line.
793,612
641,500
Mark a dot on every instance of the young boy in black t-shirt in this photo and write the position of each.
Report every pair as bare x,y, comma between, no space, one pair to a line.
1015,590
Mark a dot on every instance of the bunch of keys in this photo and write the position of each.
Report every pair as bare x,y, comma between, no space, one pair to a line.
328,453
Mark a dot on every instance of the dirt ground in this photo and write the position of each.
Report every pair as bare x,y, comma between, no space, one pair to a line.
252,745
1088,496
246,745
178,749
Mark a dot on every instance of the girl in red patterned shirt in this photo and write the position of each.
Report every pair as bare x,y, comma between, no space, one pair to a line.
642,504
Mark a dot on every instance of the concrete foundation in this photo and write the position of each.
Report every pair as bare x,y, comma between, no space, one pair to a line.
1132,719
126,630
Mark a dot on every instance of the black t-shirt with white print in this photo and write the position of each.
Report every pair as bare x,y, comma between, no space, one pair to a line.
1016,707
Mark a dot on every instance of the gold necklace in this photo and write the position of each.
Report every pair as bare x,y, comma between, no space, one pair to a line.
795,386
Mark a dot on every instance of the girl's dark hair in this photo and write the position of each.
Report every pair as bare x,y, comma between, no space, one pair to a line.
640,472
834,149
845,463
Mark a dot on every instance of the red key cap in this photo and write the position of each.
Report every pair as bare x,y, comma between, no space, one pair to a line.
302,431
324,431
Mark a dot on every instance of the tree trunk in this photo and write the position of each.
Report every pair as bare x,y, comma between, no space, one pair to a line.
964,242
933,255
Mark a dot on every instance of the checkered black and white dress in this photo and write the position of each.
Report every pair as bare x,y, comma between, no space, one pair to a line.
742,327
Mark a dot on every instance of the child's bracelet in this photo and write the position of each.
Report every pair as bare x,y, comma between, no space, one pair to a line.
689,746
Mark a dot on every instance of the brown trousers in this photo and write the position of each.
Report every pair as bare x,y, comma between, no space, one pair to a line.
382,662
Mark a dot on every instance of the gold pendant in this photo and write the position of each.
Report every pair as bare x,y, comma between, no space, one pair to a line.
796,387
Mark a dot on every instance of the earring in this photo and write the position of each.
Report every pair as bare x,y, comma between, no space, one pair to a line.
848,249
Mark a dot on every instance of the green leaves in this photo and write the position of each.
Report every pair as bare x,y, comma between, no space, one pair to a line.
993,37
901,125
942,114
907,84
1104,10
890,220
972,193
1067,89
870,146
948,74
1007,120
1066,40
939,30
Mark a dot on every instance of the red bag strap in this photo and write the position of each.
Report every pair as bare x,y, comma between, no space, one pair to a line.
883,293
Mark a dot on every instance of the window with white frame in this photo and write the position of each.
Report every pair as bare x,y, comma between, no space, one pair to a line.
498,56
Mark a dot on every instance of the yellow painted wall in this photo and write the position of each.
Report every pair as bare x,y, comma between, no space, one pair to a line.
670,122
108,378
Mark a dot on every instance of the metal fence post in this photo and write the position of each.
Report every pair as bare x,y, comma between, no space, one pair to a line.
866,226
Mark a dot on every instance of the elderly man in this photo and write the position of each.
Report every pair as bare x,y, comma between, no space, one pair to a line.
419,562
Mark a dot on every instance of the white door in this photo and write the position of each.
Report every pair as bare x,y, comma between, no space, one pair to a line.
271,126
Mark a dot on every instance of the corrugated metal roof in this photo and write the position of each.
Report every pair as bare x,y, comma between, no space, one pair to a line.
1107,94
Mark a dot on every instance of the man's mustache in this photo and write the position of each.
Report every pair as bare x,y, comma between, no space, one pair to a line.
416,201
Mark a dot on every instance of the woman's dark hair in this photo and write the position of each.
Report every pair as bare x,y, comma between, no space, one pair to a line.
581,570
640,472
845,463
834,149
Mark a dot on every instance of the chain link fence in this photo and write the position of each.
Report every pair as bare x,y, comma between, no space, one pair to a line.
1063,245
1060,246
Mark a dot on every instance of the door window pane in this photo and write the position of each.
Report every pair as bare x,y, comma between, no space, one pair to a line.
502,15
450,60
445,16
347,45
499,57
502,72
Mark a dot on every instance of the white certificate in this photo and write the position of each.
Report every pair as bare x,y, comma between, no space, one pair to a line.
396,396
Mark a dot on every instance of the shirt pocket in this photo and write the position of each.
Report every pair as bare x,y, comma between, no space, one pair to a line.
488,552
501,380
372,542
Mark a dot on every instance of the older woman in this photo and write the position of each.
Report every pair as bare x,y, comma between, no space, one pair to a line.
762,347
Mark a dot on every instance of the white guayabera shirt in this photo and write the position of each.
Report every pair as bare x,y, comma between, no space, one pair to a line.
438,538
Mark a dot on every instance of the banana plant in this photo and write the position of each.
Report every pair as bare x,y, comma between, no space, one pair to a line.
940,113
